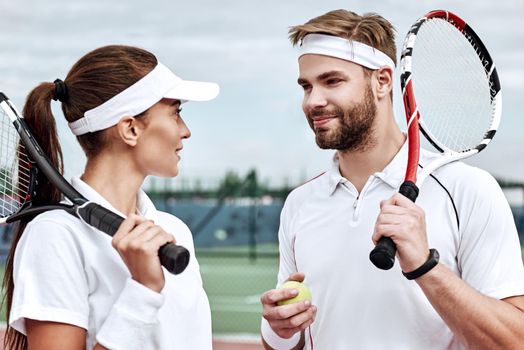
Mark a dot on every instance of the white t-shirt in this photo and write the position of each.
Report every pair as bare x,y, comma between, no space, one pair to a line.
66,271
325,232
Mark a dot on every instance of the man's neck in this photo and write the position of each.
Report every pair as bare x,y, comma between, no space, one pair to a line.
357,166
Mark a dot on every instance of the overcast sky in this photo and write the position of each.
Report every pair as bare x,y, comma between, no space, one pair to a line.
256,122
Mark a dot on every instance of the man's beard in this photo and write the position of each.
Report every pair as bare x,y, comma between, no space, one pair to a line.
355,128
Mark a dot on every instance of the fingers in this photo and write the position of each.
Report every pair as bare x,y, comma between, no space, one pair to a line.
144,235
286,312
297,276
286,320
126,226
275,295
384,230
138,240
296,323
398,200
404,222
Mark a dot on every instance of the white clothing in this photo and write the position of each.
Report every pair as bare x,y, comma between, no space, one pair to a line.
325,232
66,271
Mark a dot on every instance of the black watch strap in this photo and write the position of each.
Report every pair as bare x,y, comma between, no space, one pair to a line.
428,265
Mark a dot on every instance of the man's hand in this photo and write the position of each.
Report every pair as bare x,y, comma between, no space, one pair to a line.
404,222
286,320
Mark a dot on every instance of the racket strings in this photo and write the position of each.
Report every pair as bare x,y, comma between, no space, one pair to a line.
451,86
14,168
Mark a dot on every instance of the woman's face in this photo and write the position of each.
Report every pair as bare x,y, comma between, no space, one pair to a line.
160,142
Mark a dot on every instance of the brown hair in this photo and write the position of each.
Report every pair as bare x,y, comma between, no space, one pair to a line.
370,29
94,79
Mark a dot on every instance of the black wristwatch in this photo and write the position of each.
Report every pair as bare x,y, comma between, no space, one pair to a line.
428,265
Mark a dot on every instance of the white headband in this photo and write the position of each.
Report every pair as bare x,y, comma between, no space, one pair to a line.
349,50
160,83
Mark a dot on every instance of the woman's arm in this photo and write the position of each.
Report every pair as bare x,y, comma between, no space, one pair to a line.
45,335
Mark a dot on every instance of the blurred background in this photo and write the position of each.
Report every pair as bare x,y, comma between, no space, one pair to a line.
251,145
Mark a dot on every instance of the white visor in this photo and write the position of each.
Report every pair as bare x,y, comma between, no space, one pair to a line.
349,50
160,83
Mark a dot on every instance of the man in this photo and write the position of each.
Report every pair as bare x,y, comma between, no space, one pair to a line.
473,297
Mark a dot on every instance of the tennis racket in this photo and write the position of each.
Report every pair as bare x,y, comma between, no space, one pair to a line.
451,93
21,158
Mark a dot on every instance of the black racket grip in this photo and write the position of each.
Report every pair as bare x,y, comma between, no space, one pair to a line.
383,255
174,258
409,190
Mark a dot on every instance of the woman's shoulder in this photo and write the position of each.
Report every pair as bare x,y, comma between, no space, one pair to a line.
56,229
54,220
171,224
170,219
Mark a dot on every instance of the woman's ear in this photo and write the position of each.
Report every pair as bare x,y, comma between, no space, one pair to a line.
384,77
129,130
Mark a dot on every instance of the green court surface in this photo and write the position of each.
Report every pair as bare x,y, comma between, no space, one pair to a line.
234,285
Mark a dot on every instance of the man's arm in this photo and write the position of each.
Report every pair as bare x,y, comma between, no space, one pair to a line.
480,322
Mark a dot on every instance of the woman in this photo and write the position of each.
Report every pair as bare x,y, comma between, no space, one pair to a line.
70,286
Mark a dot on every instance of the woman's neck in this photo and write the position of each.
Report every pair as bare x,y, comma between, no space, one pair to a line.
117,180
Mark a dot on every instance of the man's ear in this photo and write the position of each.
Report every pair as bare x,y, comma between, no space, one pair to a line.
384,78
129,130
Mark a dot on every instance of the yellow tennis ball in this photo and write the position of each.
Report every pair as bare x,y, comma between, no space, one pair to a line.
303,292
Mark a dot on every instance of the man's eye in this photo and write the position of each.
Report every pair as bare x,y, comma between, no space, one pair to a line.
333,81
306,87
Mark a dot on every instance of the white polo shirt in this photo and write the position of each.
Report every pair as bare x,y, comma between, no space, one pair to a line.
66,271
325,232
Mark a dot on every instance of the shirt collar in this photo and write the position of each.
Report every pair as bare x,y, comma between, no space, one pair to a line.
145,206
334,176
393,174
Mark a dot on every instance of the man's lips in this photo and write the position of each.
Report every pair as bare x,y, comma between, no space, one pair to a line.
322,120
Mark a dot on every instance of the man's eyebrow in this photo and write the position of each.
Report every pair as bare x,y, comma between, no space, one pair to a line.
324,76
331,74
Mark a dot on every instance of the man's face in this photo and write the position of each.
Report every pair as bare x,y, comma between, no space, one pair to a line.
338,102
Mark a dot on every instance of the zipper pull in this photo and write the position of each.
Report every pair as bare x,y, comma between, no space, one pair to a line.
356,202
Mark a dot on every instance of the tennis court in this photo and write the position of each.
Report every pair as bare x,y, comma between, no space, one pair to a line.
234,285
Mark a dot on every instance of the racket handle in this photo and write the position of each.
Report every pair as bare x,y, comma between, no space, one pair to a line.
409,190
383,255
174,258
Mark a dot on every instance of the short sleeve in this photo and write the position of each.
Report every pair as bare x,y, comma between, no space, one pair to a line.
489,255
286,240
49,278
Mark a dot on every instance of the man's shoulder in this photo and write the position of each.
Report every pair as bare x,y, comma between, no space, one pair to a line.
459,175
310,187
306,192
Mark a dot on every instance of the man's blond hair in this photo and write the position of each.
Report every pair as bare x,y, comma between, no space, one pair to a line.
370,29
